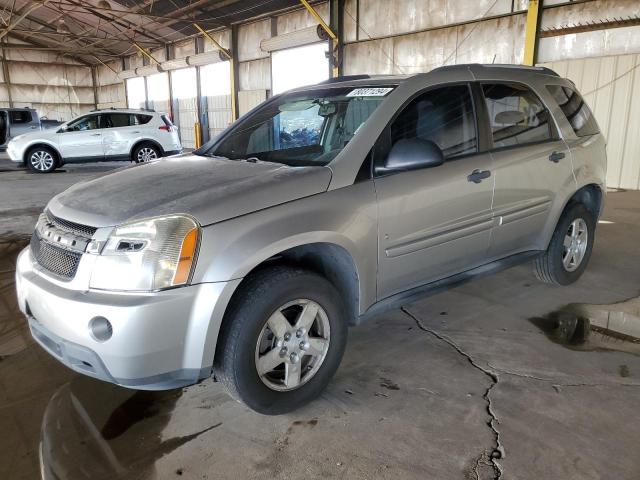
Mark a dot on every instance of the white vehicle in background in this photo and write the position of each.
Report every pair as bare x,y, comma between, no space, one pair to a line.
113,134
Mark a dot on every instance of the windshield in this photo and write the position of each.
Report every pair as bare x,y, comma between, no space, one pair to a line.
303,128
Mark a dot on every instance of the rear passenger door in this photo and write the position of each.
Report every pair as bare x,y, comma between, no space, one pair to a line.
436,221
121,130
530,163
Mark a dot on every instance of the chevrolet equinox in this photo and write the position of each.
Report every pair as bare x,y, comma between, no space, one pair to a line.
320,208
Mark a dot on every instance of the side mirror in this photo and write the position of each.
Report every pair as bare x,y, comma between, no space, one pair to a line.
412,154
62,130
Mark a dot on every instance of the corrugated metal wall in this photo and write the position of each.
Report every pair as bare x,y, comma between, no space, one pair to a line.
57,87
611,87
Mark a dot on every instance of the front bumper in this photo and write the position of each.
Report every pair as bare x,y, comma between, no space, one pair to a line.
14,153
160,340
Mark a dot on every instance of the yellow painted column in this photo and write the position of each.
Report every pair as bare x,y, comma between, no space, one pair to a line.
531,32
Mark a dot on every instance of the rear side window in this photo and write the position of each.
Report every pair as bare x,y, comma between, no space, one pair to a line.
20,116
516,115
444,116
575,109
114,120
139,119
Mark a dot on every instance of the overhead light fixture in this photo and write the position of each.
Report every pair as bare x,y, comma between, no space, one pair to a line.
103,4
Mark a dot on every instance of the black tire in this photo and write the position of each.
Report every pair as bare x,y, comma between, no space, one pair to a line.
145,152
549,266
263,294
41,160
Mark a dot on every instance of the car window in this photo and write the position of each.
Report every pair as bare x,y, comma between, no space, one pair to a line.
20,116
139,119
115,120
575,109
516,115
301,128
89,122
444,116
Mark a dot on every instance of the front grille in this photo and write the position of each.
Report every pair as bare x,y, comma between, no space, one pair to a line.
56,260
72,227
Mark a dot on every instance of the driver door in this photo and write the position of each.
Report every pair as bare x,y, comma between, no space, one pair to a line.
82,139
434,222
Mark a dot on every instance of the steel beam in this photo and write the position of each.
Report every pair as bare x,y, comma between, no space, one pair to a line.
532,31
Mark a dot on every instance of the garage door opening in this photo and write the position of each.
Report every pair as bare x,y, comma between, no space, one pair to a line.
296,67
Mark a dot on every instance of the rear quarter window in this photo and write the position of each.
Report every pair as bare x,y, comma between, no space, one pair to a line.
139,119
575,109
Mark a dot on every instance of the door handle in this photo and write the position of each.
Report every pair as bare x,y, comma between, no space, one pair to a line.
135,132
555,157
96,134
478,175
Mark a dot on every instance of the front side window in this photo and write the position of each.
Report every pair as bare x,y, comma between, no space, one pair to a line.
444,116
20,116
89,122
575,109
516,115
303,128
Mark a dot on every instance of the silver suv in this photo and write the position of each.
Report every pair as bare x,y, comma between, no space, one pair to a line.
320,208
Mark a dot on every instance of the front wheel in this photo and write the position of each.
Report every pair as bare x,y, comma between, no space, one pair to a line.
570,248
282,340
41,160
145,153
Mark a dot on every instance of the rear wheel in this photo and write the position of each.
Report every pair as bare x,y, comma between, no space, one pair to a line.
570,248
282,340
41,160
145,153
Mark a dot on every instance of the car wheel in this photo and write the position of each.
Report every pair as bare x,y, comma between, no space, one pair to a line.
282,340
570,248
145,153
41,160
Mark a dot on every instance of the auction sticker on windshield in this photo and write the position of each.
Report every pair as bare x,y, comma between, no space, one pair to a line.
369,92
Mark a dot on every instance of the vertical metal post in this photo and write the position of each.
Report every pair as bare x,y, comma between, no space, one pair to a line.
94,77
146,93
336,18
531,32
6,75
235,72
199,110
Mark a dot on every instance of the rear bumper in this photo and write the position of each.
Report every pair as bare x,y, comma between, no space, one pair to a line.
160,340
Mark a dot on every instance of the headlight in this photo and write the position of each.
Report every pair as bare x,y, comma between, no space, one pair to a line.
147,255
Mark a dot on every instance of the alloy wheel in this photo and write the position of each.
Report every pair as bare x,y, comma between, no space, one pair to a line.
575,244
41,160
146,154
292,345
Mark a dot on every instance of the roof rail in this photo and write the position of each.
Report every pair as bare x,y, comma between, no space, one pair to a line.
123,108
545,70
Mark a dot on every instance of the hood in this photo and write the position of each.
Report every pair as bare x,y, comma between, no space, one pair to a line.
36,135
209,189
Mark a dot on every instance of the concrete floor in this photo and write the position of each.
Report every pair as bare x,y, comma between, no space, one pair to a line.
434,390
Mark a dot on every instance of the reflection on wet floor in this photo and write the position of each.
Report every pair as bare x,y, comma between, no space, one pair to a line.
95,430
570,327
14,334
